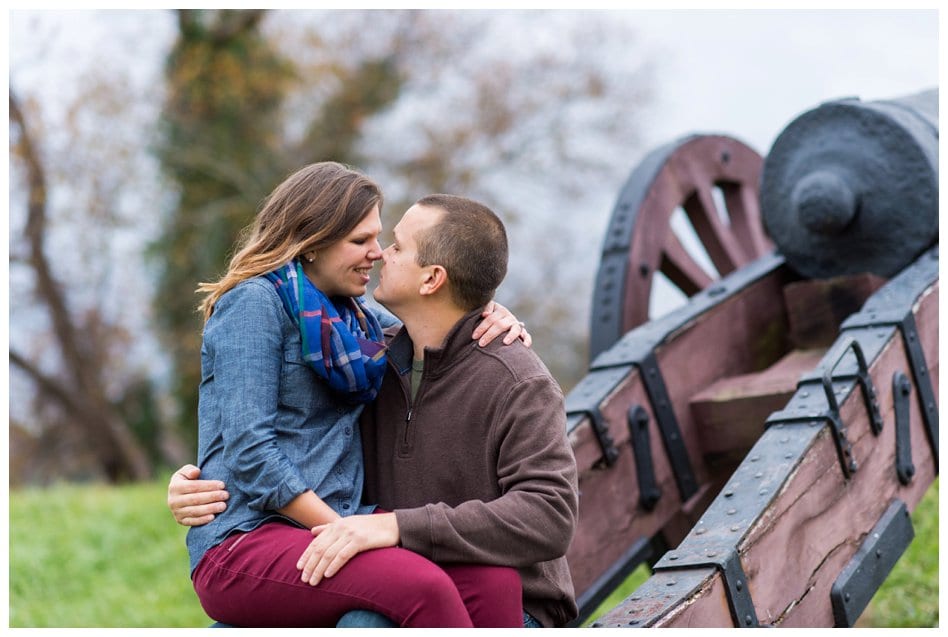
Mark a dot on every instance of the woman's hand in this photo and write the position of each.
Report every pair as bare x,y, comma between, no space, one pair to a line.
497,321
338,542
195,502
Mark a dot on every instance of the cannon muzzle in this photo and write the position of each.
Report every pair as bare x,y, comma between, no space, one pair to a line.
852,186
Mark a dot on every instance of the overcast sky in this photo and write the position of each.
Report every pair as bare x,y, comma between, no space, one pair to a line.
750,73
745,73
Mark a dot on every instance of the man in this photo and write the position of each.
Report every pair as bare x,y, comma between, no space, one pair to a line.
465,446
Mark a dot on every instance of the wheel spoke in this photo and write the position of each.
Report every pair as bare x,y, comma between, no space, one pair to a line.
721,245
681,268
644,238
744,211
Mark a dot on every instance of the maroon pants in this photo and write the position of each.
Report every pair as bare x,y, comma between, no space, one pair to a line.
251,579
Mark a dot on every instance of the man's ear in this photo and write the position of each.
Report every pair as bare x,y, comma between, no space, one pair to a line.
435,278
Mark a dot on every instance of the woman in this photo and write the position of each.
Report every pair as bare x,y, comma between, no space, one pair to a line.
290,355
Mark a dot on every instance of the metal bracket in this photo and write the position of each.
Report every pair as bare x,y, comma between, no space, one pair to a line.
843,447
649,491
869,567
923,382
728,562
916,358
901,389
609,451
584,401
861,375
668,426
811,411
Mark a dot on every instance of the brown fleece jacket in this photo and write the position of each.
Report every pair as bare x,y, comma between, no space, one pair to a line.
478,468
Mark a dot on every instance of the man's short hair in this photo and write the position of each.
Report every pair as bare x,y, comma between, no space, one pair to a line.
470,243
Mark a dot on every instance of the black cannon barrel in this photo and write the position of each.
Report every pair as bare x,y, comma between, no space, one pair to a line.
852,186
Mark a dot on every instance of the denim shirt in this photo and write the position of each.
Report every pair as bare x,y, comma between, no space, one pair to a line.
268,426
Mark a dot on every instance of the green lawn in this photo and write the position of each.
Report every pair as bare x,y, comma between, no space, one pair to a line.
95,556
86,556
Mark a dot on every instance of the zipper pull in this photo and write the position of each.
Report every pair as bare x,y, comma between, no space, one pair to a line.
411,410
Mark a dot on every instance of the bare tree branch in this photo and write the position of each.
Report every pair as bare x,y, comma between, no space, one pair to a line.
48,385
84,398
49,291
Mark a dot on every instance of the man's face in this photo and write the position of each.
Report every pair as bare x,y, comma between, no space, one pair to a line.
400,277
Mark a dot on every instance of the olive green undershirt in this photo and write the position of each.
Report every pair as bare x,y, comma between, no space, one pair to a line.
417,367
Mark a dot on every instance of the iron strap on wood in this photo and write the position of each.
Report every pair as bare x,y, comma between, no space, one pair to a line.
871,564
830,409
649,490
891,307
611,367
728,562
905,322
901,390
668,426
584,401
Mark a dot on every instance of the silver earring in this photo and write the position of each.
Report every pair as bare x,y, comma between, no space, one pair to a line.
308,258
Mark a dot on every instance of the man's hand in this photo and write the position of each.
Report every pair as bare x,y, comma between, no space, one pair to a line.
499,320
338,542
194,502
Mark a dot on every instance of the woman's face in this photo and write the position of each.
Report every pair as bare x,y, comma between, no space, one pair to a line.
343,268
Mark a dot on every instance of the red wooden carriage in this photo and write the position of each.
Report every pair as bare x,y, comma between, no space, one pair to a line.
762,445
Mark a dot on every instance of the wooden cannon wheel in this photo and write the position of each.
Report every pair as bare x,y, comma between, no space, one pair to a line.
641,239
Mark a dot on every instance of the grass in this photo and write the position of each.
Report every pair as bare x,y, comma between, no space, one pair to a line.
97,556
909,596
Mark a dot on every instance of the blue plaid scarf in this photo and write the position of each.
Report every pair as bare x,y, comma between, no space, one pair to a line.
342,343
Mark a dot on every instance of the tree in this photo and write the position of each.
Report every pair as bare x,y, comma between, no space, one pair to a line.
224,87
223,146
88,416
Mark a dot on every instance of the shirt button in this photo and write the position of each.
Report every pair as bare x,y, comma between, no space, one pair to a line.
346,506
348,431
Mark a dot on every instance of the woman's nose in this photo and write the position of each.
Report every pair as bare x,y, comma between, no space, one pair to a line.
375,251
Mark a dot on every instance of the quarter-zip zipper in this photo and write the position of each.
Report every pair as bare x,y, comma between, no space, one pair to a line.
406,393
411,410
412,403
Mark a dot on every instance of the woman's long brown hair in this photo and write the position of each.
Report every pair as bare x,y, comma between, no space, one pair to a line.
313,208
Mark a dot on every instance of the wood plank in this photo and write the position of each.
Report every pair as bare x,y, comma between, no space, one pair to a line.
813,525
817,307
731,412
610,518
